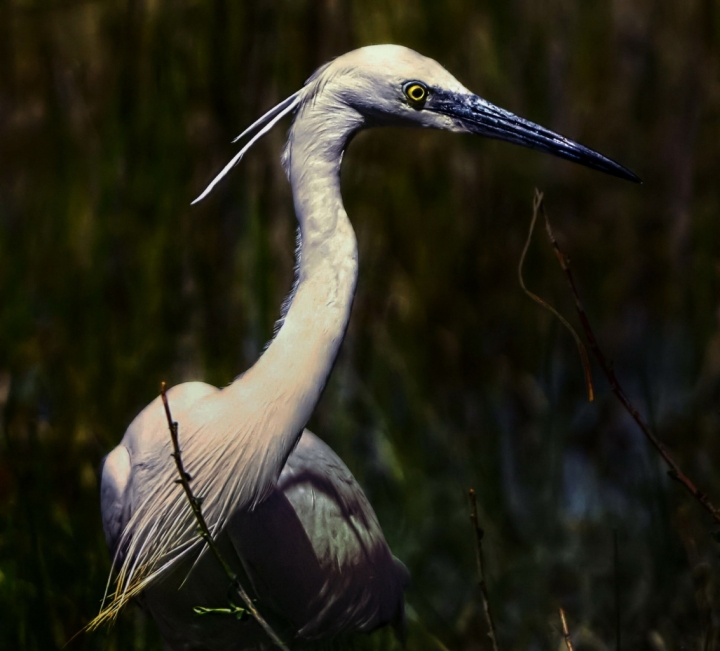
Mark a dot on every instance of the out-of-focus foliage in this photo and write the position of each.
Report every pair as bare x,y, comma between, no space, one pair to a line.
113,115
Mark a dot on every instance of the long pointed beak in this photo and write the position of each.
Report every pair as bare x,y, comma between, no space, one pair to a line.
485,119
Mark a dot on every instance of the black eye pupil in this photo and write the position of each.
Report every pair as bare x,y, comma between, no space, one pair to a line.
416,93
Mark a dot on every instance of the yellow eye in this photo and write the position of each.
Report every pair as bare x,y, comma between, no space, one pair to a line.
416,93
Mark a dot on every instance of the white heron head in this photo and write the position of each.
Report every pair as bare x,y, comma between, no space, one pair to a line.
383,85
391,85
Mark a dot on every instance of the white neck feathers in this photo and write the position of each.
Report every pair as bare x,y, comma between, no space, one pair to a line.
290,376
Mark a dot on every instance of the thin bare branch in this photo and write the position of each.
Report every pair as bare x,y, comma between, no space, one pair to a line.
580,346
479,533
196,507
566,632
674,470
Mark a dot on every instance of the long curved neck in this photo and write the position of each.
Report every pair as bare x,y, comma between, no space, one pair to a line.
290,376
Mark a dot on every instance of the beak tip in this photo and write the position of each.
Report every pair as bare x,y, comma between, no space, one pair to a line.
630,176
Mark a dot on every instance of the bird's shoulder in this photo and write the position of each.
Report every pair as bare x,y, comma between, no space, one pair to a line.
313,467
150,426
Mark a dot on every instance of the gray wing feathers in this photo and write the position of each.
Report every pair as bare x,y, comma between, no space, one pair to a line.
363,586
314,551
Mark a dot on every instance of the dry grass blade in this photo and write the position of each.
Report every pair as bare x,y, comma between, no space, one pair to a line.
674,470
196,507
566,632
537,203
479,533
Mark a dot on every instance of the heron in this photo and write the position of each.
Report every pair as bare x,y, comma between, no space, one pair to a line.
279,502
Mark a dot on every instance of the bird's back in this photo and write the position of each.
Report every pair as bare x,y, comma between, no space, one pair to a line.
317,551
312,553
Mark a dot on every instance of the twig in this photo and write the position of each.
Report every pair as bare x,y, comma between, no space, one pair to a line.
580,346
479,533
674,469
196,507
566,632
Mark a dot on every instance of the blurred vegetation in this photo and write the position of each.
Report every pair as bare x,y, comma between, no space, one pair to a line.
114,114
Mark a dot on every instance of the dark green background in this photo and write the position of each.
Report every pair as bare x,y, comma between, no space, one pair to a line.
114,115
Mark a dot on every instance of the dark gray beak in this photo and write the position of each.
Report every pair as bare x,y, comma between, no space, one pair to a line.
485,119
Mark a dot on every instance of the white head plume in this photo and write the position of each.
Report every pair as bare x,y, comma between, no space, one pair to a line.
260,127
